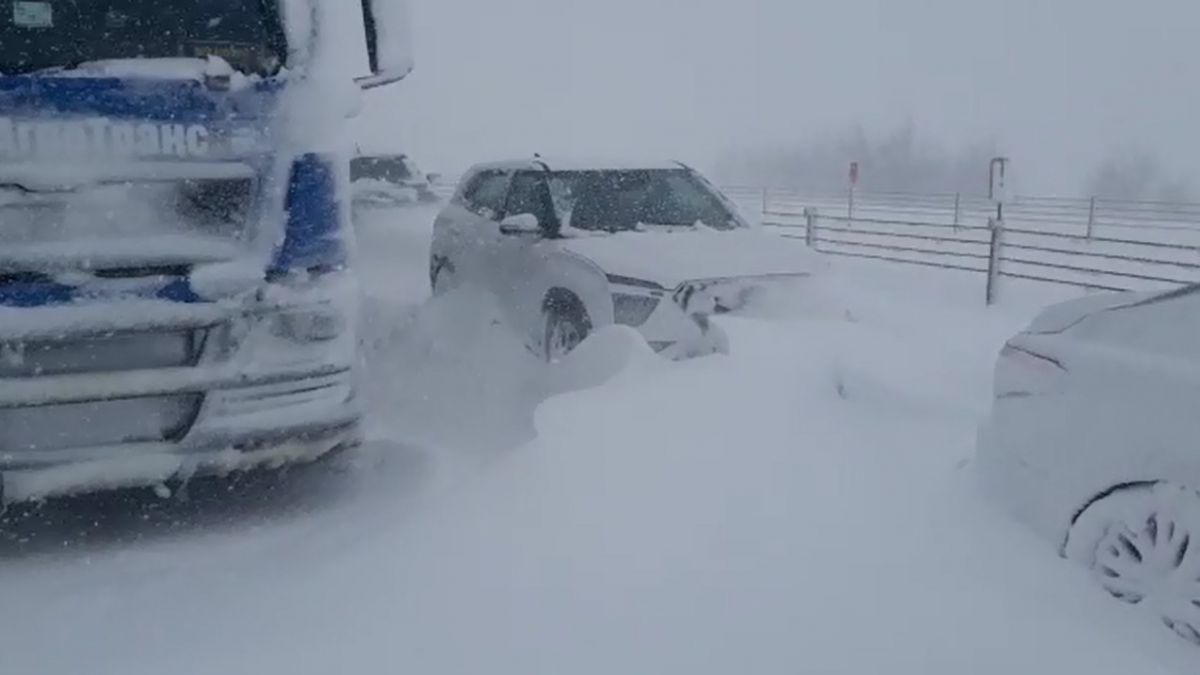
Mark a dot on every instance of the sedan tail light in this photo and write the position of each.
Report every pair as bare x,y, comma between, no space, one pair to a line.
1021,372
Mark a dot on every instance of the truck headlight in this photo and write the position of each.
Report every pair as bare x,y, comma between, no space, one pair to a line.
308,325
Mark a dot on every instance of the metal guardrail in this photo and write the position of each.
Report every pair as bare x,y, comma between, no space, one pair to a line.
1146,260
1085,217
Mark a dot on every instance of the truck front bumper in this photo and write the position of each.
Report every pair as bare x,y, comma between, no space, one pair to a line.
112,406
264,423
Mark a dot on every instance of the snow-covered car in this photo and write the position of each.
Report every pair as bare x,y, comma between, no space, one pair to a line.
569,247
1092,440
389,180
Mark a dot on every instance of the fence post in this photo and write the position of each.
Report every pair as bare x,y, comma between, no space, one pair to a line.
996,226
957,211
1091,217
810,227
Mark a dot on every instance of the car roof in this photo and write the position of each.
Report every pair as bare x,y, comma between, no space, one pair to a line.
577,164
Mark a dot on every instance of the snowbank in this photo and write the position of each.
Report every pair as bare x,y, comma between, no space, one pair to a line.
802,505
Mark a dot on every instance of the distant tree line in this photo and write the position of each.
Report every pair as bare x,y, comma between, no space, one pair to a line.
904,161
1135,174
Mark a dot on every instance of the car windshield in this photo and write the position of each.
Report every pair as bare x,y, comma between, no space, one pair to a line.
39,35
387,169
636,199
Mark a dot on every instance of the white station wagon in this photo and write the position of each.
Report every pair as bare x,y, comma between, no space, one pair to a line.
571,247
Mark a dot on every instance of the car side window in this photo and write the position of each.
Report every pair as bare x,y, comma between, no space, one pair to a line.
530,194
486,194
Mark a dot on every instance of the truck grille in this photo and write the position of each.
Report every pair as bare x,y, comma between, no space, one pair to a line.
97,423
116,421
38,224
103,353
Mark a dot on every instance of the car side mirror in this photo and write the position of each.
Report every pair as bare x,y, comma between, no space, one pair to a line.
522,224
389,46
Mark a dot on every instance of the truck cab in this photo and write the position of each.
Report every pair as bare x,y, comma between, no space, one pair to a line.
177,294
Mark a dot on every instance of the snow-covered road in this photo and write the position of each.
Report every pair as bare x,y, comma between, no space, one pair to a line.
806,504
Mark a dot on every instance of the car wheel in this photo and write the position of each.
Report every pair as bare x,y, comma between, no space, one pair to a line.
442,279
567,325
1142,544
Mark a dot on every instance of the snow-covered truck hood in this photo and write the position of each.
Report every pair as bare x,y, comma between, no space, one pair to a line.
671,258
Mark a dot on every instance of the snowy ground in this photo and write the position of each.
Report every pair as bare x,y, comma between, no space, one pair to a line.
806,504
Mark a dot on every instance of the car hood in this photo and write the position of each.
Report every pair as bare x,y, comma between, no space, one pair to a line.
672,258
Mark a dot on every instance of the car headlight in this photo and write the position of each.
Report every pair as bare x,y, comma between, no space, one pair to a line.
308,325
633,310
696,298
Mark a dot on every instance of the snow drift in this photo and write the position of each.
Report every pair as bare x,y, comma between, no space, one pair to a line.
805,504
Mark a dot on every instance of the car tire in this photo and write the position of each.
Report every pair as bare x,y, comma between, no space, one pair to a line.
441,279
1142,544
567,325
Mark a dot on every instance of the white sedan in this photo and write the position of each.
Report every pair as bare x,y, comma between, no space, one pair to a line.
1093,440
571,247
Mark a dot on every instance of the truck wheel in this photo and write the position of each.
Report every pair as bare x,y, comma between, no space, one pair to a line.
1142,544
567,325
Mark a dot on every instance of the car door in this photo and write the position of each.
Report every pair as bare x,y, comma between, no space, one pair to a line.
524,273
467,236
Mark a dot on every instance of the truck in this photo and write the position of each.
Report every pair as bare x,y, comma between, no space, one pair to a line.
177,291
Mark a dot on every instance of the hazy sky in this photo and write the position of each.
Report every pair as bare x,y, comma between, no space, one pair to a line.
1057,82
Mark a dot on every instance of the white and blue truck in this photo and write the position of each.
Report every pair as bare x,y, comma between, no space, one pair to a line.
177,293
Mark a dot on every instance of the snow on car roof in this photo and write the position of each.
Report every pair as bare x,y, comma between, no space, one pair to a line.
579,164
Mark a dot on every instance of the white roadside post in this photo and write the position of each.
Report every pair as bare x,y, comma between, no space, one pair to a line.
1091,224
850,196
997,193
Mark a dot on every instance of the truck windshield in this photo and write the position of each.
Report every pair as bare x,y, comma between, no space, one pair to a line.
45,34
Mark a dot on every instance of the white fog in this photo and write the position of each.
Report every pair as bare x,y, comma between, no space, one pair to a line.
1056,85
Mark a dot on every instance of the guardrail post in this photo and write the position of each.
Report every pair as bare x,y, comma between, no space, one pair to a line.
1091,217
810,227
996,227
